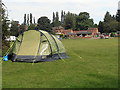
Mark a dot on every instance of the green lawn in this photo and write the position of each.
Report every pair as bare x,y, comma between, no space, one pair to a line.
91,64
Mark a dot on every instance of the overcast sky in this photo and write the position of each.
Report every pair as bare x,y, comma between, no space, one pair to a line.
38,8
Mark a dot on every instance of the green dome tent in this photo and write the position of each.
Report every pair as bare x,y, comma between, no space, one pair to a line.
35,46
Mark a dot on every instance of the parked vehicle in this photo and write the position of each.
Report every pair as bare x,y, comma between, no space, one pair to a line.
106,36
102,37
11,38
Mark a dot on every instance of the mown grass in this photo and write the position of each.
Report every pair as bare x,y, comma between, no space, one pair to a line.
91,64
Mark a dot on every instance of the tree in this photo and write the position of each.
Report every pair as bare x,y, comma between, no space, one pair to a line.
44,24
5,22
85,14
53,21
108,17
83,21
30,18
69,21
53,17
14,30
34,20
22,28
32,27
62,17
24,19
109,24
100,27
57,22
4,25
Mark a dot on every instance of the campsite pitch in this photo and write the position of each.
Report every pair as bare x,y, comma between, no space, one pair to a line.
91,64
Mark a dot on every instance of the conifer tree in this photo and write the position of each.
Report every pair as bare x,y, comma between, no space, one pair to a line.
24,19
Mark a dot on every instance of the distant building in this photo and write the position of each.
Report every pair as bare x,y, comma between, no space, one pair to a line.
91,32
64,32
57,28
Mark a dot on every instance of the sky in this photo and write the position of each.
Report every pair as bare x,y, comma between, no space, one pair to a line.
96,8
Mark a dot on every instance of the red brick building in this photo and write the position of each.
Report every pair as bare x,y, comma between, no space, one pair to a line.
91,32
64,32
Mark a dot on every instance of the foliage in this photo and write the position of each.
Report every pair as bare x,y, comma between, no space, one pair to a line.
27,19
5,27
69,20
100,27
30,18
73,21
62,17
44,24
53,21
22,28
5,24
109,24
77,22
32,27
24,19
34,20
83,21
14,28
56,22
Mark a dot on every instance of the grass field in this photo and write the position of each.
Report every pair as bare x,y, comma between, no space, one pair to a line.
91,64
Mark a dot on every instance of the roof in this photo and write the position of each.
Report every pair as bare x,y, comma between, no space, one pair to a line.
84,32
71,33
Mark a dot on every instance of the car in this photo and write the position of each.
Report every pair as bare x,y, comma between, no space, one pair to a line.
106,37
102,37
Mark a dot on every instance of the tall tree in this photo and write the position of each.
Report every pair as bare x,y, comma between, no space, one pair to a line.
30,18
108,17
100,27
27,19
62,17
109,24
24,19
34,20
53,17
53,21
83,21
69,21
44,24
57,22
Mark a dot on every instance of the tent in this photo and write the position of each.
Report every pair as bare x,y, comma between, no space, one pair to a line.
35,46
